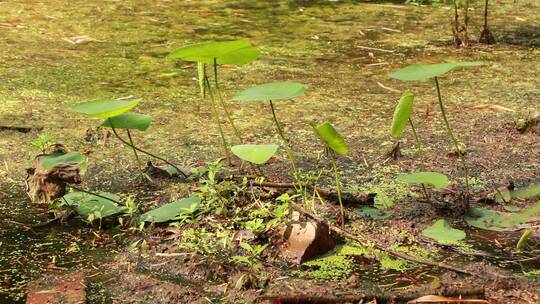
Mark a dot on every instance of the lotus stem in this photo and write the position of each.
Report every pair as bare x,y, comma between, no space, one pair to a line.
134,150
216,118
287,145
145,152
222,102
420,152
338,189
454,139
416,138
94,194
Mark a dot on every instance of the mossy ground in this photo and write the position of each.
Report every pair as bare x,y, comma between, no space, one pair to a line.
324,44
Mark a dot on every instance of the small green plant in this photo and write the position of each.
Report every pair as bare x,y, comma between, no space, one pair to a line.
116,115
427,71
252,259
334,144
238,52
270,92
217,196
44,142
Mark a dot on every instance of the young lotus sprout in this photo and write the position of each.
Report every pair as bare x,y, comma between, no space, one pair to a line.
270,92
116,115
428,71
334,144
238,52
402,116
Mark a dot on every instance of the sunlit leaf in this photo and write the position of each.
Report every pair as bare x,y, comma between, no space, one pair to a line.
271,91
105,108
58,159
435,179
129,120
257,154
402,113
227,52
331,138
443,233
172,210
426,71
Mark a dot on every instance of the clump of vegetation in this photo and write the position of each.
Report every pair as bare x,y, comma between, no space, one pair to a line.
417,72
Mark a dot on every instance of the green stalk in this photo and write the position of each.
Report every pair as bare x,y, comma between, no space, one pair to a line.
145,152
216,118
338,188
454,140
416,138
134,150
420,152
220,98
287,145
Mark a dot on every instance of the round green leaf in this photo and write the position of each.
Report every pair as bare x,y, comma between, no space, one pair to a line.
402,113
227,52
443,233
257,154
271,91
426,71
105,108
58,159
128,120
172,210
331,138
435,179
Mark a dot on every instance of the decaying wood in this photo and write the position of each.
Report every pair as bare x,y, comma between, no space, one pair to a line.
382,297
393,253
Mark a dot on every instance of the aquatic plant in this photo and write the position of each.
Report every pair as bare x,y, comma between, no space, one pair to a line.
270,92
427,71
116,116
238,52
334,144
